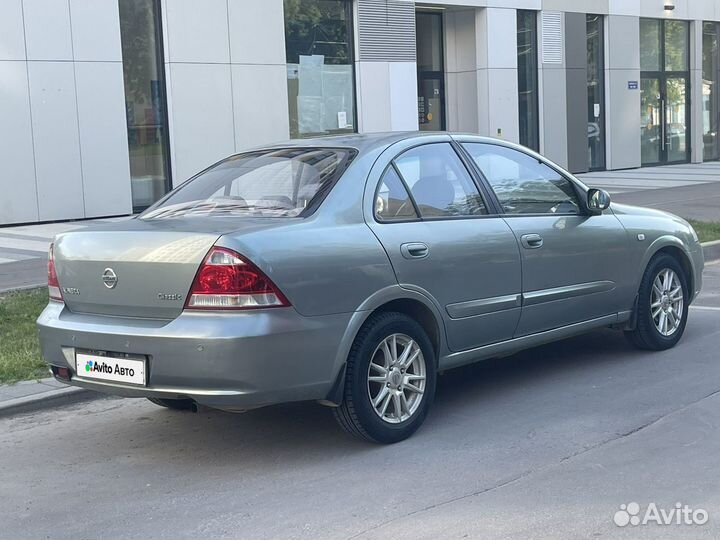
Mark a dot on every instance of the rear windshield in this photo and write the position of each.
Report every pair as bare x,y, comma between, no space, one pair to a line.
285,182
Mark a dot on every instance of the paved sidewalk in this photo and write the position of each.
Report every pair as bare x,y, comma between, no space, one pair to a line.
690,190
32,395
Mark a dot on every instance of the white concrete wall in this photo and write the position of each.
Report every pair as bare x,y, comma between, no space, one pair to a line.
461,80
386,96
622,105
497,73
63,135
226,79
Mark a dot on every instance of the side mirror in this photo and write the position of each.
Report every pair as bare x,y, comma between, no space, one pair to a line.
598,200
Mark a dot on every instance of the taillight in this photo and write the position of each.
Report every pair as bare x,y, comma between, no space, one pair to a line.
53,284
226,280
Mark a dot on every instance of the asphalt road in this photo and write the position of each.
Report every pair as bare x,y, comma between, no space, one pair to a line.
544,444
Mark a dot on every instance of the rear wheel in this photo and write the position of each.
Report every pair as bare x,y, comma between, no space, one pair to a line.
390,380
175,404
662,305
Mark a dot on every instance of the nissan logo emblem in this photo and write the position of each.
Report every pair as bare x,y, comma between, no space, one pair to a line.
109,278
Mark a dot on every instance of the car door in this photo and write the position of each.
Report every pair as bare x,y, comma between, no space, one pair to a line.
444,241
573,263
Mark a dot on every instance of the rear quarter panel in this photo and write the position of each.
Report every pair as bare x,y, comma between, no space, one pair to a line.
329,262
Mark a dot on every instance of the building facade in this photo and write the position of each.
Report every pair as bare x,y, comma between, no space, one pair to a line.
105,105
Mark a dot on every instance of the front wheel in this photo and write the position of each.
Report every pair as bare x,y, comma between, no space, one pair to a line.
389,380
662,309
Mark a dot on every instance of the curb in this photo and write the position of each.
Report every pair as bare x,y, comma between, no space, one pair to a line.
711,250
45,400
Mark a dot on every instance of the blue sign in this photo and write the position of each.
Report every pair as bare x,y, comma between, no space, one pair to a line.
632,85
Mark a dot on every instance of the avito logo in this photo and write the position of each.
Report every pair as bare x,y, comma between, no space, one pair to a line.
631,514
96,367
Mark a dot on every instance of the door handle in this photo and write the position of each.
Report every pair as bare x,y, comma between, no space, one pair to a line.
414,250
531,241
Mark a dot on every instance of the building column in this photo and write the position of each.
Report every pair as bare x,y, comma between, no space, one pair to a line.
697,145
552,81
497,77
576,91
461,71
385,66
622,97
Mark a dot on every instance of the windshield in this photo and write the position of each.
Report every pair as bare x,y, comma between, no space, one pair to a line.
274,183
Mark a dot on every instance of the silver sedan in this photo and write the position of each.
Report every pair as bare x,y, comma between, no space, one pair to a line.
351,270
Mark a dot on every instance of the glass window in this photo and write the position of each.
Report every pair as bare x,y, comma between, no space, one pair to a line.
528,78
428,28
650,44
439,182
319,55
392,201
595,92
145,101
430,70
710,91
676,46
267,183
522,184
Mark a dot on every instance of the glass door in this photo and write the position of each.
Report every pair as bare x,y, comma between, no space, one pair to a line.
431,71
664,87
675,140
664,119
651,121
710,91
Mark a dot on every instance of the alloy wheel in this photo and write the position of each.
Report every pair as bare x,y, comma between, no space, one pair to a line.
666,302
396,378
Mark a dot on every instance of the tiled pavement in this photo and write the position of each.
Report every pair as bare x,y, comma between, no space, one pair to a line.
651,178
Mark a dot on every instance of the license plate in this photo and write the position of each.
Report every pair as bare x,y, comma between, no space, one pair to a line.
107,368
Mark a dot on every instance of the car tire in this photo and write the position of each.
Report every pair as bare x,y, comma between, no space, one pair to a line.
174,404
648,333
400,385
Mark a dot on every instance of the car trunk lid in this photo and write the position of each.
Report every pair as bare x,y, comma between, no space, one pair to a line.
139,268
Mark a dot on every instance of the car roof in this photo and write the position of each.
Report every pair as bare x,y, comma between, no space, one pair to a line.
364,142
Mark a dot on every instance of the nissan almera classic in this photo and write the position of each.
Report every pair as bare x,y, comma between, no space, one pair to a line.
350,270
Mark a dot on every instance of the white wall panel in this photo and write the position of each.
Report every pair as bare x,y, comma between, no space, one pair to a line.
18,202
497,42
202,119
403,96
12,34
103,138
47,30
622,64
260,105
95,30
462,101
623,126
373,92
502,107
57,147
257,33
197,32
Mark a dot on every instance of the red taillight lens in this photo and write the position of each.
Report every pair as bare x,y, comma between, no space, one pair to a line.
53,284
226,280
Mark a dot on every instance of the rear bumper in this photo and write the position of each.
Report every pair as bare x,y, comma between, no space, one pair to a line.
224,360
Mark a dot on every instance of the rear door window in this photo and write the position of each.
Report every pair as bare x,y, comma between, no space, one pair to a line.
439,182
286,182
392,202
